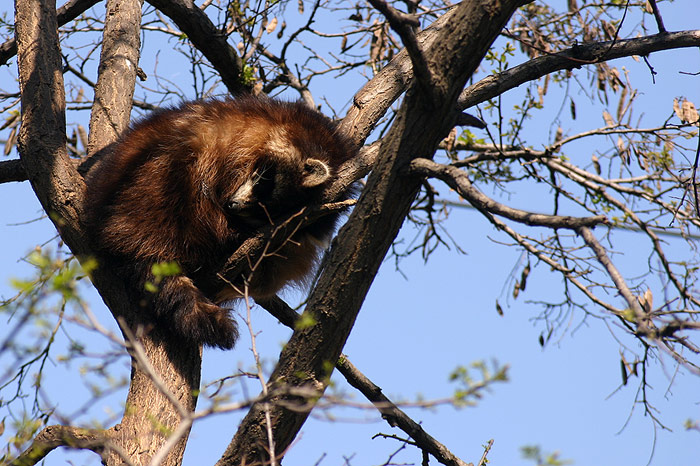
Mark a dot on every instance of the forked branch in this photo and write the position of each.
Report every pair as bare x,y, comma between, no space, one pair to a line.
459,181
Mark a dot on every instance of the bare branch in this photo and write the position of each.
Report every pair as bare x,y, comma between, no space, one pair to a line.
573,57
405,24
52,437
657,16
644,226
390,412
459,181
68,12
396,417
207,38
642,319
569,273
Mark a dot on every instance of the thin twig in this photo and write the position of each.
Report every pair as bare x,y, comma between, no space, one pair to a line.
68,12
642,319
404,25
390,412
459,181
657,16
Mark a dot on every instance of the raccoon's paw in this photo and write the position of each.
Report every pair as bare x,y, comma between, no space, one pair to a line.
193,316
206,323
214,326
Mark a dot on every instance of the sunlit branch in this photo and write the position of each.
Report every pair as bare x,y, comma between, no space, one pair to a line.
642,319
52,437
573,57
119,59
459,181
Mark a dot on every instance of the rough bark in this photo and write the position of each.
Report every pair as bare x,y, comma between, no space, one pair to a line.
420,124
116,74
150,414
156,400
60,190
42,137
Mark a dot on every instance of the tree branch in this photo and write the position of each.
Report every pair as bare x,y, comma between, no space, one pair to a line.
573,57
12,170
52,437
42,136
374,99
569,273
404,25
68,12
371,102
119,60
642,319
459,181
207,39
395,416
390,412
657,16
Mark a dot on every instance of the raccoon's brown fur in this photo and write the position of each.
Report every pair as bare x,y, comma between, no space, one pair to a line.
191,184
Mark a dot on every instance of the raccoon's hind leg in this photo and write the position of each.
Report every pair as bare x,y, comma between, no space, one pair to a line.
189,313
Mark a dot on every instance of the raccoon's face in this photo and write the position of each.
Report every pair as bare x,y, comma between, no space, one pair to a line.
277,187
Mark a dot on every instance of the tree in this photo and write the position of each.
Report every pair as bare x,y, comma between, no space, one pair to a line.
424,62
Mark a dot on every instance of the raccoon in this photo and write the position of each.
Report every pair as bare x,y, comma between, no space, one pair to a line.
188,185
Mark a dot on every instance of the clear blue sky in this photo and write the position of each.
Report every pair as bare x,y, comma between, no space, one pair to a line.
416,327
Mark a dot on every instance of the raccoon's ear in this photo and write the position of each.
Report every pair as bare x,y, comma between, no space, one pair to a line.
315,173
